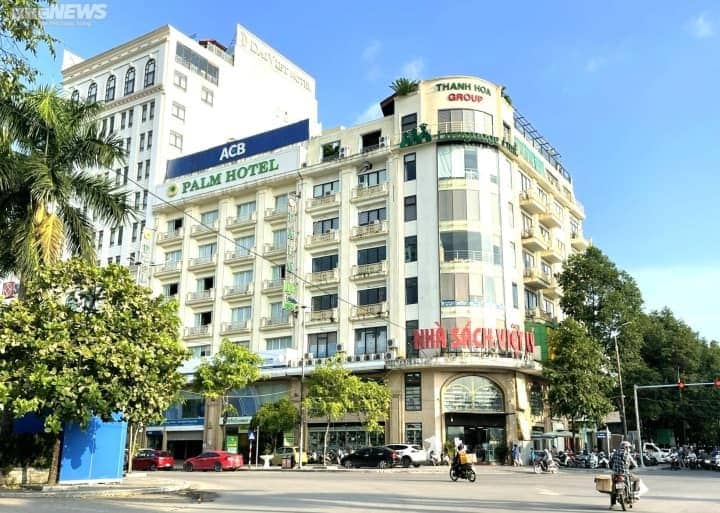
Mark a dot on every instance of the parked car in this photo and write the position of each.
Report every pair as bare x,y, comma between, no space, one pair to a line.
287,452
152,459
712,461
409,454
214,460
379,457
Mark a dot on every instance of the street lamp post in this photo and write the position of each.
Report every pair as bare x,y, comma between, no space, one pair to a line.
302,412
622,392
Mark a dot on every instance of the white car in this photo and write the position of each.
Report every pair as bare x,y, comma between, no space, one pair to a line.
409,454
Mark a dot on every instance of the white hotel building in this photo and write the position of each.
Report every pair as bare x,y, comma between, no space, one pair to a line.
166,95
451,211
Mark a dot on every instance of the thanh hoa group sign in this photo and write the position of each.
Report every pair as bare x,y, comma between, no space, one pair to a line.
241,173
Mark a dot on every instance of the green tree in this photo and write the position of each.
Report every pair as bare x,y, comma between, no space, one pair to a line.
232,367
404,86
275,419
579,384
334,392
21,34
47,202
87,341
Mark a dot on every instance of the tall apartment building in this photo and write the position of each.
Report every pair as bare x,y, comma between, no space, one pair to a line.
422,246
166,95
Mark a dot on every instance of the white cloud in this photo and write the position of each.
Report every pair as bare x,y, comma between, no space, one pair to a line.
413,68
371,51
690,292
372,112
594,63
369,56
700,27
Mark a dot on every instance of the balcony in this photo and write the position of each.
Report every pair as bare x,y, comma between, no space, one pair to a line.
535,279
578,242
553,255
272,251
201,262
553,291
167,238
369,311
321,317
276,214
229,328
577,208
322,239
466,255
531,202
360,272
270,286
168,268
201,231
238,292
202,296
360,194
532,313
267,323
551,219
321,278
533,240
198,331
238,223
323,203
240,256
369,230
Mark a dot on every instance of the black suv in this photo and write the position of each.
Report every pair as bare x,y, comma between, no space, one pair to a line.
379,457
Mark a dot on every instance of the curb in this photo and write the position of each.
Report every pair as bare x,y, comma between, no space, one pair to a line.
97,491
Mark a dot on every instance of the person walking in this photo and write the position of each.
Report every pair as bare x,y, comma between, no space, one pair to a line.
516,456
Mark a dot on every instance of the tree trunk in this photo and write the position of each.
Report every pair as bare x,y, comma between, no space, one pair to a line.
55,461
224,424
327,431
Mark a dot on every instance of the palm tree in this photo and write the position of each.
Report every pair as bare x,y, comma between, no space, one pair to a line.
46,199
404,86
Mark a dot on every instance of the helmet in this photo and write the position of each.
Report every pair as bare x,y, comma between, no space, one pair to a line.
626,445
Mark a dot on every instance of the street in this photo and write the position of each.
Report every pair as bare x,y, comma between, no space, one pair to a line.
428,490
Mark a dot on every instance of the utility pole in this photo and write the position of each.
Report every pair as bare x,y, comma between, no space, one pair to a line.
622,392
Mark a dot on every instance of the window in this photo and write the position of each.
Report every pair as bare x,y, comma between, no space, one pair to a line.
536,399
545,268
411,291
112,124
196,63
506,132
278,315
123,119
411,248
372,178
173,256
549,307
145,198
371,340
205,284
458,161
92,93
174,225
497,255
326,189
133,238
147,168
413,433
281,203
128,141
527,223
207,250
459,205
525,183
326,226
149,73
110,89
119,235
131,258
371,255
461,289
324,263
372,296
104,126
209,218
180,80
243,245
408,122
464,120
326,302
75,96
118,176
511,214
531,300
516,303
203,319
274,344
322,345
413,391
139,170
100,239
149,139
277,272
410,208
151,114
178,111
170,289
142,141
242,279
410,327
207,96
176,140
125,173
245,211
330,151
371,216
117,259
409,167
461,246
143,116
137,200
528,260
279,238
241,315
131,112
130,81
109,260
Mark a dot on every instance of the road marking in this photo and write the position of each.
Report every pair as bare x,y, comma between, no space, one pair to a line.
544,491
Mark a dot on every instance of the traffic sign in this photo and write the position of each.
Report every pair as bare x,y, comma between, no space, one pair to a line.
251,435
601,434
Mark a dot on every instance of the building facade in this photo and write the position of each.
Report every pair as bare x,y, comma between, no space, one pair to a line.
161,92
422,246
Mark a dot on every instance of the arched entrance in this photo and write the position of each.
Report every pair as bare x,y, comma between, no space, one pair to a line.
474,411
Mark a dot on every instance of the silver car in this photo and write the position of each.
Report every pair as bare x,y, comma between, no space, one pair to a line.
409,454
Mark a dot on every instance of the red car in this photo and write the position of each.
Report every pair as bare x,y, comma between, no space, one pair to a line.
214,460
150,459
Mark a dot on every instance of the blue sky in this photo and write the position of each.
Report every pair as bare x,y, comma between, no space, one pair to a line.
626,91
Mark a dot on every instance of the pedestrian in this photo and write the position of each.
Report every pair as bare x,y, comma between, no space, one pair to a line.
516,456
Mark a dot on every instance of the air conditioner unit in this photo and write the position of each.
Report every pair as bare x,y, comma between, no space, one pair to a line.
366,357
340,348
291,363
376,356
384,141
308,356
388,356
344,151
350,359
391,343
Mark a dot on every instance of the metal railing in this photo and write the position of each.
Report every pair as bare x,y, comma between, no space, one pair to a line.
330,315
238,290
362,192
170,266
235,221
197,229
170,235
272,284
319,238
369,310
198,331
204,260
201,295
323,276
234,326
369,269
322,200
369,229
240,254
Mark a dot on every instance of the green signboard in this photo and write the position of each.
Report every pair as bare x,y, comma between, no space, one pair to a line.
231,442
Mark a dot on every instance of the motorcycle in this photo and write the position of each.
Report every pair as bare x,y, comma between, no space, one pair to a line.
565,460
545,465
603,461
621,491
462,471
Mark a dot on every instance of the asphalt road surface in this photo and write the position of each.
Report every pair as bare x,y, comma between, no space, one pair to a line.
396,491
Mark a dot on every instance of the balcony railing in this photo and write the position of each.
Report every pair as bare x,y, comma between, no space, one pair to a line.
234,222
273,249
275,213
203,260
322,238
531,201
372,310
235,327
169,267
323,276
170,235
275,322
198,331
235,291
329,315
368,230
467,255
239,254
369,192
369,270
200,229
320,201
202,295
272,284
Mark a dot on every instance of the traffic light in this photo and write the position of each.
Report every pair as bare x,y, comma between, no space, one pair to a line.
681,385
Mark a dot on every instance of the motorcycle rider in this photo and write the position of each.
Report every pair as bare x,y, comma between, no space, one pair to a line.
621,463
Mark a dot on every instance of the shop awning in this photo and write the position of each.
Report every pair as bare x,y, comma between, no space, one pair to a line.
552,434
